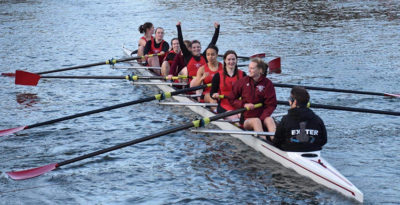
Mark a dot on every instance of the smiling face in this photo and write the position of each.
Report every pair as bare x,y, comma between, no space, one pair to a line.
175,46
254,71
211,55
196,49
230,61
159,34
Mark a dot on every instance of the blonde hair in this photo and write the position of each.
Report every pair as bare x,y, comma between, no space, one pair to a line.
260,64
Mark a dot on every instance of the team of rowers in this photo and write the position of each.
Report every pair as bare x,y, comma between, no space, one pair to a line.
300,130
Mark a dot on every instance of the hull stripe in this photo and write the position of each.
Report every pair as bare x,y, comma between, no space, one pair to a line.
310,171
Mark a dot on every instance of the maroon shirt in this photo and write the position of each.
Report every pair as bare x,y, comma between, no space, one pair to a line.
262,91
177,65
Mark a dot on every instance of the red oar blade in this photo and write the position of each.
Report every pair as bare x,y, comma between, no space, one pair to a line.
275,66
26,78
392,95
11,131
258,55
8,74
30,173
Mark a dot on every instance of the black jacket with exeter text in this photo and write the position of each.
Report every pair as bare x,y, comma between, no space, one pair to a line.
301,130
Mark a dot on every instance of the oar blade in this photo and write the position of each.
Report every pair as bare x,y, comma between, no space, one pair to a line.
11,131
8,74
26,78
30,173
274,65
392,95
258,55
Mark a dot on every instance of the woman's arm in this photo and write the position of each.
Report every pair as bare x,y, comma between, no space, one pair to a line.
184,50
199,77
215,84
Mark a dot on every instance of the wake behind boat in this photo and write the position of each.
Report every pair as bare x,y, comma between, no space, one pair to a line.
309,164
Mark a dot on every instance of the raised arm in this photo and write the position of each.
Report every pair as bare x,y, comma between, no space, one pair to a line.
184,50
216,34
214,38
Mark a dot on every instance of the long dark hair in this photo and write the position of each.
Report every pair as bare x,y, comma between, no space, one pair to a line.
228,52
145,26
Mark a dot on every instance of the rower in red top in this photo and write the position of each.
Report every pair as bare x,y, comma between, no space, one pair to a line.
156,46
169,56
178,63
147,29
206,72
252,89
223,81
195,59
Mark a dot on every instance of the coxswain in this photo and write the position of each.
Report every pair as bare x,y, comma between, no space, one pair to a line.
156,46
195,58
301,130
252,89
223,81
206,72
169,56
147,29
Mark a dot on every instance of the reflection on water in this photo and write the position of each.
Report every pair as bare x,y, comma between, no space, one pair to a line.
27,99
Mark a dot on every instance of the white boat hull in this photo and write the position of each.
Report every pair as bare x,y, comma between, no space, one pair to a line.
315,167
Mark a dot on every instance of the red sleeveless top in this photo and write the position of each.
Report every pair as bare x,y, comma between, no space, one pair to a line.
209,78
144,38
193,66
155,50
225,87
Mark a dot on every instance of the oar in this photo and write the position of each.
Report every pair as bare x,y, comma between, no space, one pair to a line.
274,65
258,55
338,90
352,109
156,97
111,62
30,173
27,78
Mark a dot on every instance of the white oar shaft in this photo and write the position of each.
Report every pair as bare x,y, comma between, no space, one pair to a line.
231,121
191,96
157,83
137,67
232,132
189,104
279,114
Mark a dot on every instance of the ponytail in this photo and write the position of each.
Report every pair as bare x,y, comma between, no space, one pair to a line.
143,28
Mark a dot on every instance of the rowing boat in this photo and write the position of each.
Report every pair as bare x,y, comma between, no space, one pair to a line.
309,164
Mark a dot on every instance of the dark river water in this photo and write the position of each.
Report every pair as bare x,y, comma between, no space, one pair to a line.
339,44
